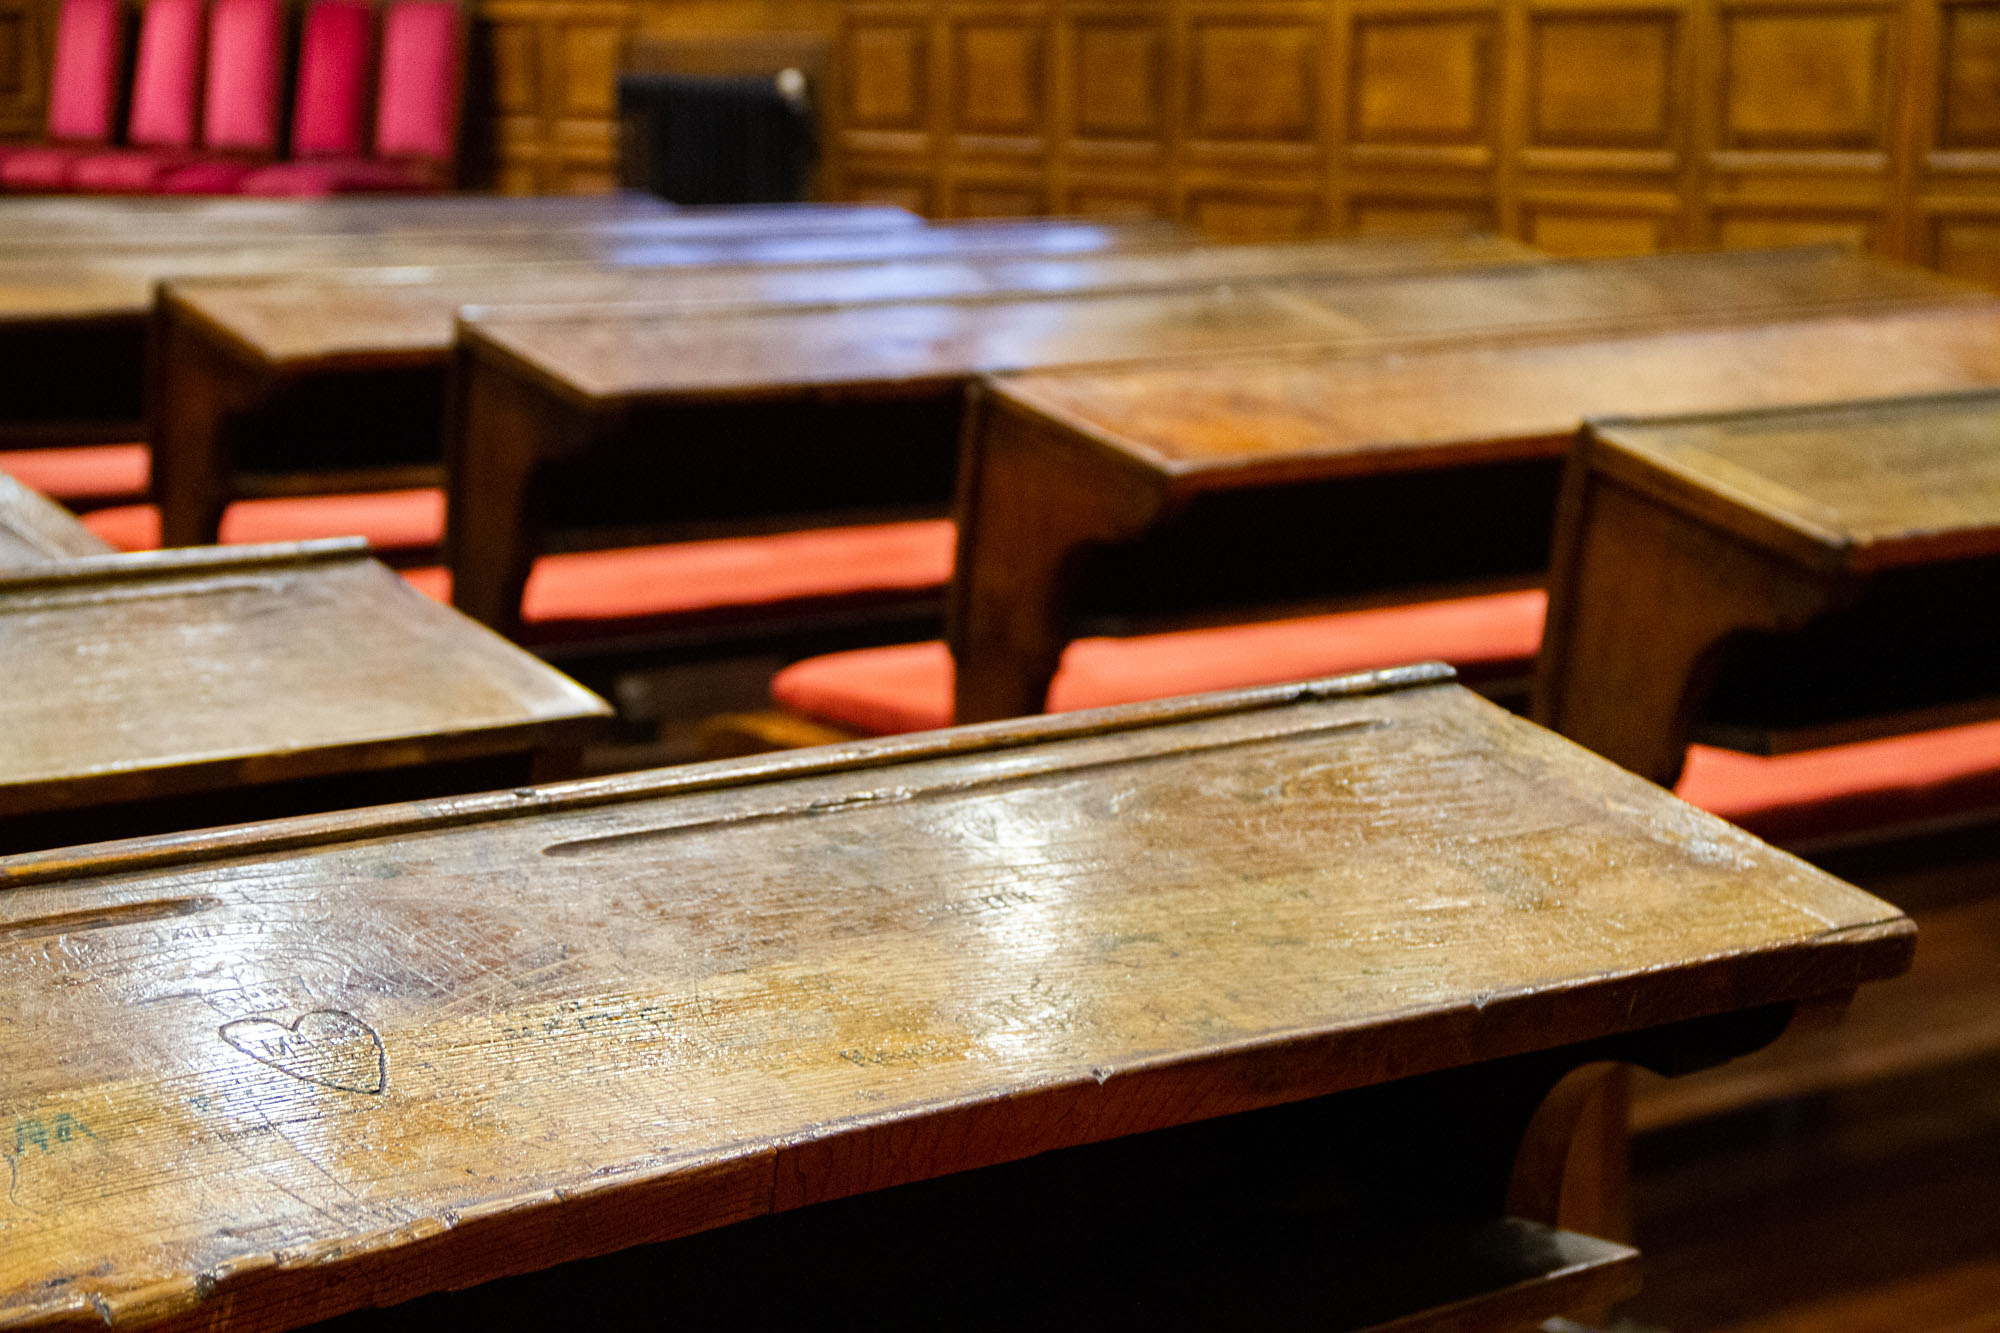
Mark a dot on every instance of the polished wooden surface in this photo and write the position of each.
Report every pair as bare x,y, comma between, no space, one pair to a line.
602,355
35,530
1067,461
536,389
1769,522
144,676
361,315
643,1023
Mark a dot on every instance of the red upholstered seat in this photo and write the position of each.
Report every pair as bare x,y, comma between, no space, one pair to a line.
83,96
94,473
596,593
416,115
907,687
391,520
166,86
329,102
1900,780
239,118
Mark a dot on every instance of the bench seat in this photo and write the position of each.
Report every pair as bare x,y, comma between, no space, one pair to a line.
907,687
583,595
390,520
82,474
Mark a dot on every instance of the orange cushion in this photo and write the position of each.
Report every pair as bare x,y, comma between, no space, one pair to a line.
1877,784
83,472
907,687
391,520
603,589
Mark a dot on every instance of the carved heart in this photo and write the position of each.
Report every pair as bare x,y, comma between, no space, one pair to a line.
327,1047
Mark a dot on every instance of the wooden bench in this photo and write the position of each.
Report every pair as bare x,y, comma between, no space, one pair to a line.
190,688
362,355
797,418
35,530
1778,582
1125,501
1244,1008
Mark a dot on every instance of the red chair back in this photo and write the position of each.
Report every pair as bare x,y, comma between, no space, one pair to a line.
416,107
166,82
330,106
246,53
83,88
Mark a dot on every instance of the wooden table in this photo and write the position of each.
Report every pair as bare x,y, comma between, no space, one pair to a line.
35,530
249,368
1263,487
1798,578
791,415
85,304
189,688
1374,921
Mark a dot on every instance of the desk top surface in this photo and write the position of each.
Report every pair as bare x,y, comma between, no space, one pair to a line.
1247,421
143,675
1855,486
410,309
113,280
255,1066
53,222
35,530
615,354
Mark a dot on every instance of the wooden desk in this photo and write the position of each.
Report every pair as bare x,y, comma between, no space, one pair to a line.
790,415
1374,911
187,688
1254,488
71,309
35,530
1860,542
249,369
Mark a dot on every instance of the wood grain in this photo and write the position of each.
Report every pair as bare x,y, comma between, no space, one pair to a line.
136,676
563,1021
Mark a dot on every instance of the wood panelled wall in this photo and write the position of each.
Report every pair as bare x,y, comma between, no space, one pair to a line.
1585,126
26,39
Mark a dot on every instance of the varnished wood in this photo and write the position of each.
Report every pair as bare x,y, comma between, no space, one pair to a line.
136,678
235,350
534,390
73,315
1062,464
736,989
36,530
1765,521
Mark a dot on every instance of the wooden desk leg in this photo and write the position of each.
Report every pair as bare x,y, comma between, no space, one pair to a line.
501,429
1641,599
1031,498
195,389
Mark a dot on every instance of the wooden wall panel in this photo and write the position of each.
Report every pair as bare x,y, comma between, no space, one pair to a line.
25,41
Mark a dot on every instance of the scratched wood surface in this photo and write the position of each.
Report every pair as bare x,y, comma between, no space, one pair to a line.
1854,486
275,1073
36,530
134,676
363,315
1814,575
1388,410
612,353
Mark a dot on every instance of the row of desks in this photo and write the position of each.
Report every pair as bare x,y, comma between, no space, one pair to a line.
1012,941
